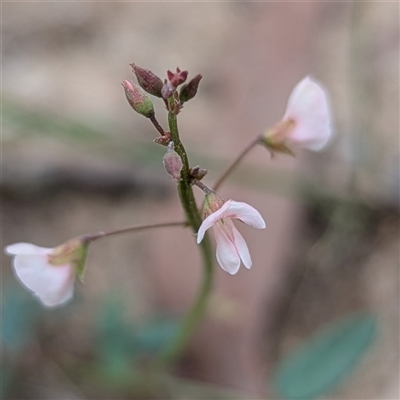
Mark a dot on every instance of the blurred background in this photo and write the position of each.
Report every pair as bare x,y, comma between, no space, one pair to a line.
318,314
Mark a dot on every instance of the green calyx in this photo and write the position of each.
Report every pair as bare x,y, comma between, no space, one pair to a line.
212,203
73,252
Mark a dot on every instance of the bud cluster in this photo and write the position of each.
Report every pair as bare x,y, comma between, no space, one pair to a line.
167,90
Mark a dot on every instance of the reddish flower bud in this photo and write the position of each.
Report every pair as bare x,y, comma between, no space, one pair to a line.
189,90
172,162
198,173
150,82
178,77
138,99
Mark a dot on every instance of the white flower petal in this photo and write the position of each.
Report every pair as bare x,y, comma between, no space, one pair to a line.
241,247
52,284
26,248
64,294
308,107
227,255
246,213
211,220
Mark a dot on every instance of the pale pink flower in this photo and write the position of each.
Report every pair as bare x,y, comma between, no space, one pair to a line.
48,272
307,120
231,247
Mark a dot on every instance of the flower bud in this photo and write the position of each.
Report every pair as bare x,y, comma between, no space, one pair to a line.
150,82
172,162
174,80
198,173
189,90
138,99
212,203
167,90
178,77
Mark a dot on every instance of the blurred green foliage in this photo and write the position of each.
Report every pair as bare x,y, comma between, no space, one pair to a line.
19,316
323,362
93,137
19,323
119,343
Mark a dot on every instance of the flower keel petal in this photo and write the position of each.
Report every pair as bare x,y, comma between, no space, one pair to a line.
241,247
53,285
227,255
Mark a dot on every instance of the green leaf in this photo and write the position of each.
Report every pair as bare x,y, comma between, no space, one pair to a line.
322,363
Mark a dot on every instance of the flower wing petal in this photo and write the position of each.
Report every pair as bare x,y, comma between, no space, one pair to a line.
246,213
227,255
52,284
242,248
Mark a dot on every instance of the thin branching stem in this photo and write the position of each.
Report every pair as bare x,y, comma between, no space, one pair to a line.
156,125
235,162
130,229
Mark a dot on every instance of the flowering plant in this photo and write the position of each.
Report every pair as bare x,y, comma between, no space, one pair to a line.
50,273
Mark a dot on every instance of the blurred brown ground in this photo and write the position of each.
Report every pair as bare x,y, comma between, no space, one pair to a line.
69,59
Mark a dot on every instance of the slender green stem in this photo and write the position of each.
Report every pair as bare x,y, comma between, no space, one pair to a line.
193,318
236,161
185,188
190,323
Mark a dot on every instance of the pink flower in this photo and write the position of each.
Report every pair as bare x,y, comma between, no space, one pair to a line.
48,272
231,247
307,120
